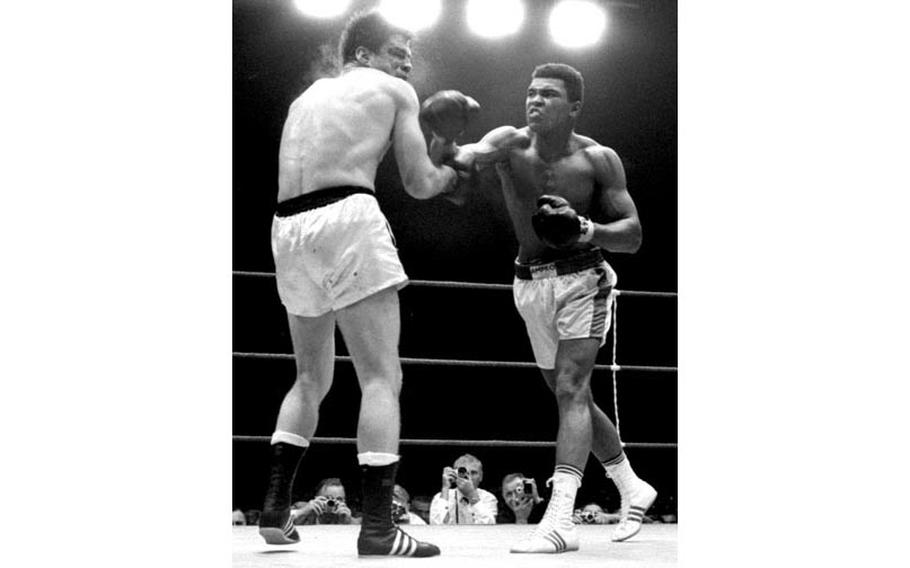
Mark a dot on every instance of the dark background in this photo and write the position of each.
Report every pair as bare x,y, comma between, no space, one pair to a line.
631,93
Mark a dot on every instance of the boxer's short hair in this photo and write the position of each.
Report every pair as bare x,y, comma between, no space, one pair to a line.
367,29
575,83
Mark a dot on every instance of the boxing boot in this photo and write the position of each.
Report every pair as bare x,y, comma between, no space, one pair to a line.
378,535
636,497
556,532
276,525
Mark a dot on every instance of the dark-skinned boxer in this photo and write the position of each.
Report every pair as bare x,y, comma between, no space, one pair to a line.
568,202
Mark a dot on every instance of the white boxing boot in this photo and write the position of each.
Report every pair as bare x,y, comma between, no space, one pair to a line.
636,497
556,532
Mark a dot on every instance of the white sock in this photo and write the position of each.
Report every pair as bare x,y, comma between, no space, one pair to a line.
376,458
569,482
289,438
621,474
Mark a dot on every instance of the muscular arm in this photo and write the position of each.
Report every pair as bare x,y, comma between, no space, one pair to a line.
622,233
492,148
421,178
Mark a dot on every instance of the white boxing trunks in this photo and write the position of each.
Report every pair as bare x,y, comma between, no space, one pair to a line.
333,255
566,299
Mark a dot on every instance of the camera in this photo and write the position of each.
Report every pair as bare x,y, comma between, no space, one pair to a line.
330,505
588,517
528,487
462,472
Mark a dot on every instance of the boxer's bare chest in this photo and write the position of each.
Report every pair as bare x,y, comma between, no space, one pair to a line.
570,176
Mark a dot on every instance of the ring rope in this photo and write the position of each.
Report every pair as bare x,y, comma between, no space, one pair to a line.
479,443
474,285
462,362
614,367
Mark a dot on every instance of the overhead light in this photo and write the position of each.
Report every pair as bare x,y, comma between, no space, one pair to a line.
322,8
577,23
495,18
411,15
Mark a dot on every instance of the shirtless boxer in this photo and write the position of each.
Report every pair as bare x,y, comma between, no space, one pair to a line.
567,198
336,263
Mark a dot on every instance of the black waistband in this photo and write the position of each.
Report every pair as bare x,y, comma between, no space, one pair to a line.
576,263
316,199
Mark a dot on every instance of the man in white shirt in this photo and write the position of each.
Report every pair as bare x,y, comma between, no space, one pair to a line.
461,500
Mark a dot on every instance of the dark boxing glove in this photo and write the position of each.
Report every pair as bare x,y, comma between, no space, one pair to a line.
558,225
448,113
465,181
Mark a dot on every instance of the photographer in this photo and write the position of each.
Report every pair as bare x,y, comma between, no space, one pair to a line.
401,508
328,507
461,500
523,503
593,514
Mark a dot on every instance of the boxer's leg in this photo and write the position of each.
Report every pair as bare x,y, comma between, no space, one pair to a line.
371,329
574,362
313,339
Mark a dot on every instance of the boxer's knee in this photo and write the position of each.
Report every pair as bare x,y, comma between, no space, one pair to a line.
383,385
572,389
310,385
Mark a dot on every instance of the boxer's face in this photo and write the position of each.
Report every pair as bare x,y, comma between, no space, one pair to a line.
394,57
547,104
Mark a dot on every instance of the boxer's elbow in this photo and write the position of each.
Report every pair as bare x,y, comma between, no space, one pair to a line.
631,239
427,184
419,188
635,238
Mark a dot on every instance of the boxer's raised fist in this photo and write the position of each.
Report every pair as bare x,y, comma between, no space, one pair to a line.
558,225
448,113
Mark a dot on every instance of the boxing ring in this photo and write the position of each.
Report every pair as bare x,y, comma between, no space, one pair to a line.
482,546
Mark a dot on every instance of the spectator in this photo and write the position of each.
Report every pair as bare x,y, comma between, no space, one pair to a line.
328,507
461,500
401,508
420,506
665,510
593,514
252,516
239,519
523,503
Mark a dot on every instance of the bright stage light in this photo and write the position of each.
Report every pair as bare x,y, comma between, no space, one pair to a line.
495,18
322,8
412,15
576,23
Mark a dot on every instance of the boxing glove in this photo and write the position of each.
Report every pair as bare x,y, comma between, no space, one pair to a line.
448,113
558,225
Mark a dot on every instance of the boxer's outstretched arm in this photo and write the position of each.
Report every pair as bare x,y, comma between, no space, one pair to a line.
421,178
494,147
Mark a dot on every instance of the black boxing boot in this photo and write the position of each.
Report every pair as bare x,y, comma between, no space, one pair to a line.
379,536
275,523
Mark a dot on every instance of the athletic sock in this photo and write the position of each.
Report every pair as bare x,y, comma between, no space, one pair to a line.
621,472
565,472
618,458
